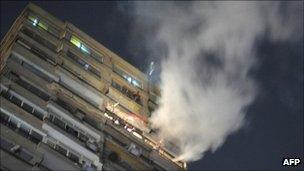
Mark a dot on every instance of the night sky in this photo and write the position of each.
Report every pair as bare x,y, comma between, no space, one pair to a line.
274,127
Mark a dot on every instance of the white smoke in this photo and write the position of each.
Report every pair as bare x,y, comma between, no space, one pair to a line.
210,48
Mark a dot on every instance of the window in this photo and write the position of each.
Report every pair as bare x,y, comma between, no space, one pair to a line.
25,155
33,89
6,144
13,123
43,25
75,41
78,43
38,38
37,72
71,131
91,121
127,77
83,64
97,57
51,144
38,114
24,130
5,94
62,103
61,150
27,108
82,137
36,22
35,137
4,118
15,100
73,157
59,123
130,94
84,49
136,83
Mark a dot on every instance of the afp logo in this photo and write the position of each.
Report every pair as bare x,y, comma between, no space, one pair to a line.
291,161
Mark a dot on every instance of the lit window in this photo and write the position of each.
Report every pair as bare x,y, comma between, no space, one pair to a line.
86,66
43,25
33,19
84,49
127,77
136,83
75,41
36,22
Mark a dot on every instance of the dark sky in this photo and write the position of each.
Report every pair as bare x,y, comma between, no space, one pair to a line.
275,119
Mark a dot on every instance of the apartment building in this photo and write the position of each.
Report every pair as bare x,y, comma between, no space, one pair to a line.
69,103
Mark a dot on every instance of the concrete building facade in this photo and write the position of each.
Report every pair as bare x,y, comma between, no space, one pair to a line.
69,103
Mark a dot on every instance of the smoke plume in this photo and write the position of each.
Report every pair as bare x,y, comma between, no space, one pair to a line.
206,50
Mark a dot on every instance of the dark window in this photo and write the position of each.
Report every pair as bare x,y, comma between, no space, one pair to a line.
125,165
4,118
92,146
124,90
97,57
5,144
35,137
12,124
91,121
37,72
83,64
59,123
71,131
24,131
144,158
94,71
65,105
27,108
119,142
5,95
61,150
25,155
51,144
54,31
113,157
38,38
51,117
73,157
38,53
16,101
82,137
27,32
33,89
39,93
38,114
43,168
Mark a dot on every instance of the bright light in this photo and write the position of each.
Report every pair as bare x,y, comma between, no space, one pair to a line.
35,22
151,68
86,66
115,104
130,129
84,49
137,135
107,116
116,122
